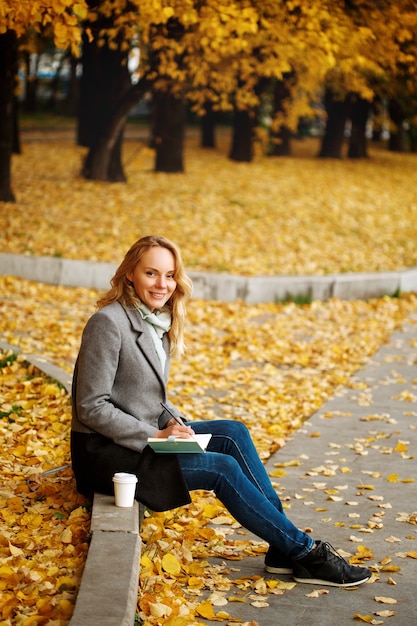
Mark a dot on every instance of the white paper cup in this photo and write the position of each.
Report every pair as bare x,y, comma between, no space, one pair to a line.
124,489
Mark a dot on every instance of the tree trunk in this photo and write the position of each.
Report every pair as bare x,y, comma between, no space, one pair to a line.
104,85
244,124
8,72
242,140
281,140
16,134
31,83
104,158
337,115
71,102
397,140
169,131
412,133
208,127
359,118
377,111
52,102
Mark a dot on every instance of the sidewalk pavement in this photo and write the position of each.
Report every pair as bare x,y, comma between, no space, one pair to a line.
355,488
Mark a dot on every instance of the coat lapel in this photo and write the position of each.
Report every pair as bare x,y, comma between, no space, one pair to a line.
145,343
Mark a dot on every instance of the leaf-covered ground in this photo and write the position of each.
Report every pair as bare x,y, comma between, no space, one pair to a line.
298,215
270,365
44,523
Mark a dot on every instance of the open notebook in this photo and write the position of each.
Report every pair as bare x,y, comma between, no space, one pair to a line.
198,443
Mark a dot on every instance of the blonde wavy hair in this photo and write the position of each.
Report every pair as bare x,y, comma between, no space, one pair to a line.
121,287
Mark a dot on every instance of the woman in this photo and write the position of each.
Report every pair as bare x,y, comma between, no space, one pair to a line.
119,385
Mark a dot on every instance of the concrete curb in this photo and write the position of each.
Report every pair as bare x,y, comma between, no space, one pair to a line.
49,369
108,592
221,287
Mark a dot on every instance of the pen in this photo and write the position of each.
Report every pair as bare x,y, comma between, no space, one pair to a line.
176,417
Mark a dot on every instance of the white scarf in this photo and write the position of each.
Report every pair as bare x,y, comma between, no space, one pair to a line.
158,323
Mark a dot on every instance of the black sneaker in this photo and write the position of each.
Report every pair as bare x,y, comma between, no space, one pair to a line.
323,566
277,563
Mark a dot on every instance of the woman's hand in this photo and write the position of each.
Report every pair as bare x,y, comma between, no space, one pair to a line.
173,429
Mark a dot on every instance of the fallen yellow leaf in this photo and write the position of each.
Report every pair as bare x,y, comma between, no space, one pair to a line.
170,564
385,600
316,593
217,599
158,609
390,568
205,609
368,619
385,613
278,473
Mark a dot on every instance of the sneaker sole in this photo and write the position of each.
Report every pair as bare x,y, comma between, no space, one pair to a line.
278,570
328,583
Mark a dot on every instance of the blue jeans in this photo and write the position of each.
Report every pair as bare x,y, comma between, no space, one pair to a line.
231,468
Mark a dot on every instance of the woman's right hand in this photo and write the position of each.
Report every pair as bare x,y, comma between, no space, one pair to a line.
173,429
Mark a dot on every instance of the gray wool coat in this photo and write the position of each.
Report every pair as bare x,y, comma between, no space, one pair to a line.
118,383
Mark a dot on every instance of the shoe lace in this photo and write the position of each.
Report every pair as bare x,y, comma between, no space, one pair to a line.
332,554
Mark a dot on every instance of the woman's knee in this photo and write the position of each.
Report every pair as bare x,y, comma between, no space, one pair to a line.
213,471
227,465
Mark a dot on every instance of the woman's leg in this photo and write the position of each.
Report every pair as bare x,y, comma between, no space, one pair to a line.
233,438
232,469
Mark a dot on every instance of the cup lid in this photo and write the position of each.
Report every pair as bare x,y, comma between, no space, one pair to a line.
124,477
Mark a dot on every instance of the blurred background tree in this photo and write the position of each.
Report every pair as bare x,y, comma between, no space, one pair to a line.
286,67
59,21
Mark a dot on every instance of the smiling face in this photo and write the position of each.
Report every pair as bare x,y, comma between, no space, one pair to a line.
153,277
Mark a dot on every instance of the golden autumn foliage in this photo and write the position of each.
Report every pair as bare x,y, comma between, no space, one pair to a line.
44,523
63,17
220,50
